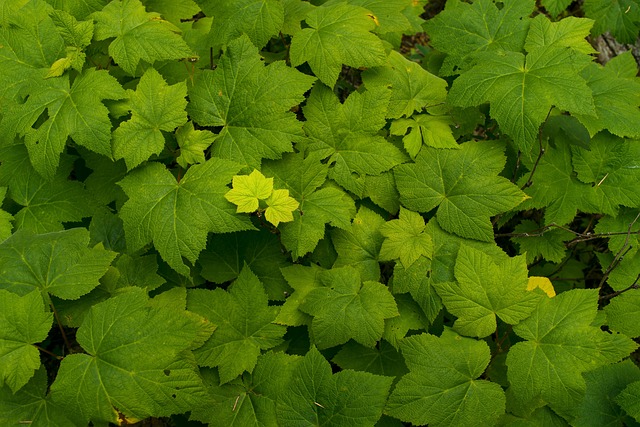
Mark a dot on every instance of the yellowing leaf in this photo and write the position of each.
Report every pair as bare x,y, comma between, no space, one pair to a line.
248,190
542,283
281,206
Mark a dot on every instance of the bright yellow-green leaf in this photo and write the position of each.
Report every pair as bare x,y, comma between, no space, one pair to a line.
248,190
280,207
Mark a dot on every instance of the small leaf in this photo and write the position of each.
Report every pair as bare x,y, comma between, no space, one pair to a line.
23,322
543,283
405,239
248,190
281,206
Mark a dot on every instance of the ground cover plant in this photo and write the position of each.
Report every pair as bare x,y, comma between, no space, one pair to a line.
318,213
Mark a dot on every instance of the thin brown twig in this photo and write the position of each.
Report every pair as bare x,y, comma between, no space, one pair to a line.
540,154
64,335
634,285
621,253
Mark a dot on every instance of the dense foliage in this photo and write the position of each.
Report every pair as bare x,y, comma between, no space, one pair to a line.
318,213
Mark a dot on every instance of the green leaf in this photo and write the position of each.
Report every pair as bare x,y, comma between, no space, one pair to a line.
251,103
316,397
629,400
258,19
345,308
386,360
177,216
146,371
412,317
405,239
556,188
442,388
139,35
250,400
192,144
417,281
550,245
486,289
25,25
5,218
248,190
389,15
138,271
622,313
522,89
24,323
616,97
227,254
612,167
337,34
463,30
433,131
46,203
280,207
244,325
173,10
318,206
360,245
74,111
412,87
81,9
57,263
620,17
569,32
294,12
303,280
554,7
463,185
155,107
598,408
560,345
32,404
349,137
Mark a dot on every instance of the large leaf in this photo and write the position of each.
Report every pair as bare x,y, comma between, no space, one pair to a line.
349,137
463,185
522,89
137,360
620,17
346,308
486,289
177,216
258,19
462,30
74,111
56,263
442,388
251,103
155,107
244,323
560,345
316,397
139,35
337,34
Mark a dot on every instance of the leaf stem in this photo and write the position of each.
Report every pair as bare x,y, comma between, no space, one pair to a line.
540,154
64,335
44,350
